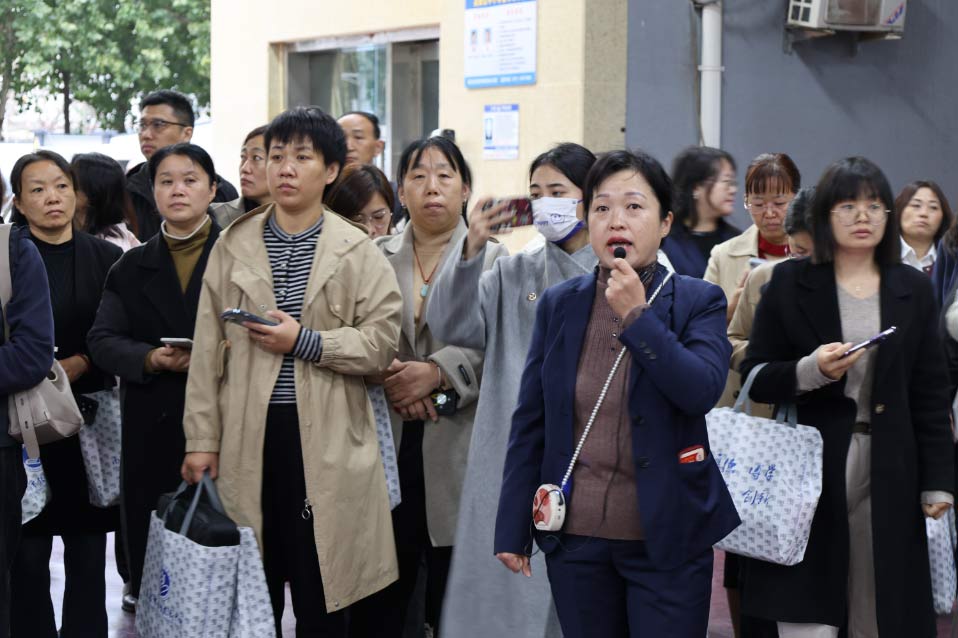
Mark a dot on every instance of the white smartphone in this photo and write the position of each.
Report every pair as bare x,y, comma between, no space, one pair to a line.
177,342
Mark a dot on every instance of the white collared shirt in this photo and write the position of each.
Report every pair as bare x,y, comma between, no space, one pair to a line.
909,257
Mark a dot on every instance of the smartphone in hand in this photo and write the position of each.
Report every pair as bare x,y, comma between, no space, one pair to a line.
239,316
521,208
177,342
871,343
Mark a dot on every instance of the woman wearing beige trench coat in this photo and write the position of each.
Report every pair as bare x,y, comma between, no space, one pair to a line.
353,302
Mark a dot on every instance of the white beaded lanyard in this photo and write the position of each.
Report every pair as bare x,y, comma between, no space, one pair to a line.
605,389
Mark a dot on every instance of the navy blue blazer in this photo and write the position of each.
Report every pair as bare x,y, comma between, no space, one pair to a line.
684,253
680,359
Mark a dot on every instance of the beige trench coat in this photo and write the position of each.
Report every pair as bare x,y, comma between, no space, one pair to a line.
445,444
353,299
726,264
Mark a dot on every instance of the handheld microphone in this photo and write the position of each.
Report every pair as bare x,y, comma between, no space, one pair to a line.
619,252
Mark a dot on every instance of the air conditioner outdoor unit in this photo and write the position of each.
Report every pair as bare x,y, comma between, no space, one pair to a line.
848,15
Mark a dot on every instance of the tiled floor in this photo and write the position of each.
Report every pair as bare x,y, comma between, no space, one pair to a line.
122,625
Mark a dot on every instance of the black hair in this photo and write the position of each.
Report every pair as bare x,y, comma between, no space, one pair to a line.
694,167
797,220
355,188
850,179
309,123
175,100
908,192
369,116
413,154
572,160
256,132
186,149
102,181
637,161
16,177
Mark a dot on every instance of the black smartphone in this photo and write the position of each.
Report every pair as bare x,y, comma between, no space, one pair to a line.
88,408
871,343
239,316
519,206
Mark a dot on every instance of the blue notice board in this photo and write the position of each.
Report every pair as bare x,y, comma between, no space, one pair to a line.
500,43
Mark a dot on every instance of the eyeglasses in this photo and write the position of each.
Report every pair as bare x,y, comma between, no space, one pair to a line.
847,214
375,216
156,125
759,208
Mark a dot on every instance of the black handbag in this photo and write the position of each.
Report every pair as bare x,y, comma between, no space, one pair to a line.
196,512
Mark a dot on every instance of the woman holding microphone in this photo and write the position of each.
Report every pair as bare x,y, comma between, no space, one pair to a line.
646,500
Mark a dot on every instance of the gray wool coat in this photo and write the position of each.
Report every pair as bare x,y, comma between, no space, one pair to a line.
483,598
445,443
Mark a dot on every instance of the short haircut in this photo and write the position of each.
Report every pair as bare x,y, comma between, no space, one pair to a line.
16,176
850,179
102,180
256,132
185,149
796,220
637,161
695,166
309,123
175,100
947,216
413,154
371,117
572,160
772,173
355,188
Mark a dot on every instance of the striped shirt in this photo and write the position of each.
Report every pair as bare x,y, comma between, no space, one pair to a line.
291,260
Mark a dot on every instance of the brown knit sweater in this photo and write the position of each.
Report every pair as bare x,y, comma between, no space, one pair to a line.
604,499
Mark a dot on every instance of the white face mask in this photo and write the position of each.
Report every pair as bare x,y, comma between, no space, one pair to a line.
555,217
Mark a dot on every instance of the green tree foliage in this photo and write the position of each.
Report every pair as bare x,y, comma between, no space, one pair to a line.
104,53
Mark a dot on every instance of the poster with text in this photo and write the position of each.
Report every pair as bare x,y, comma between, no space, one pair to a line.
500,132
500,43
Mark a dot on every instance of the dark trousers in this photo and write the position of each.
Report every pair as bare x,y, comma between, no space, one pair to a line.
385,614
734,578
289,546
84,597
610,588
13,482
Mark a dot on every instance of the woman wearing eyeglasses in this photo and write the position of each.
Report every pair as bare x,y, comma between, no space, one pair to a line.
771,181
882,414
363,195
705,187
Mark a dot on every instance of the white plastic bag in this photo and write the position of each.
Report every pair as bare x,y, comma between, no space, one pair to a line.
941,559
37,494
252,609
100,444
387,445
773,471
187,590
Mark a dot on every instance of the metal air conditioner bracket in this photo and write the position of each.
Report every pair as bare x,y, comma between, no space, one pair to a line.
798,34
